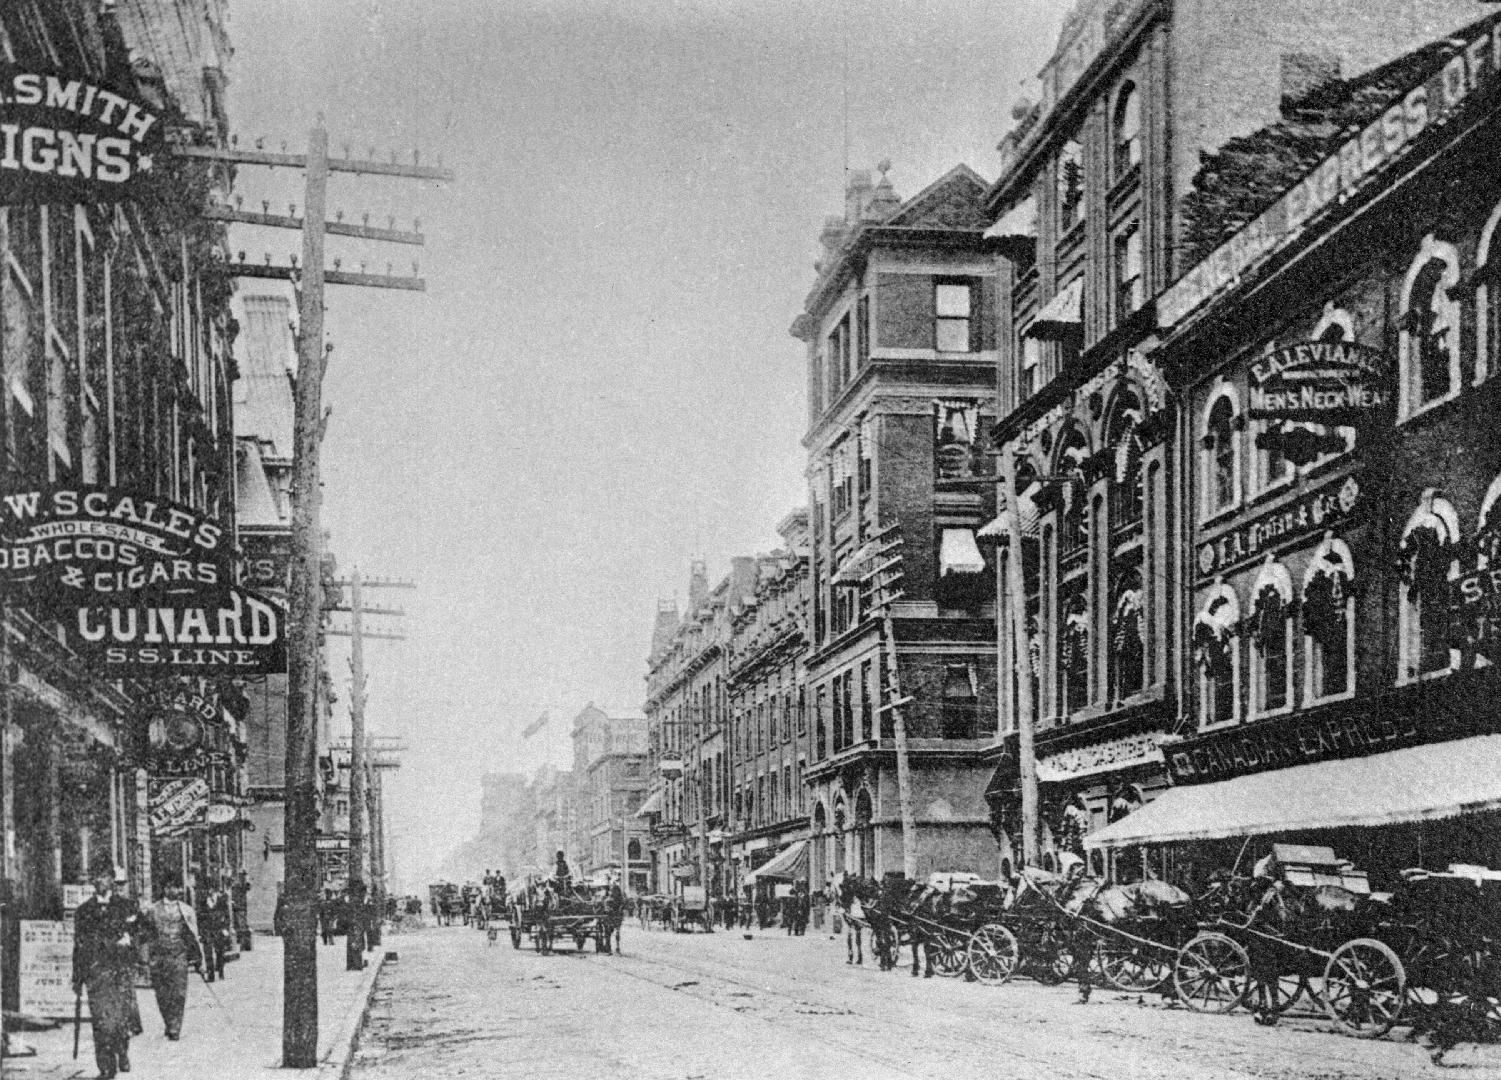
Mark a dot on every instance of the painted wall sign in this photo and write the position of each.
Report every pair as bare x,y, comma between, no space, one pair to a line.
66,139
1475,594
236,632
1387,137
81,543
1249,540
177,804
1325,382
268,561
1102,757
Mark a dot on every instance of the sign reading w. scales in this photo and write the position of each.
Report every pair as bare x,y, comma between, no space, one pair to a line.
66,139
140,584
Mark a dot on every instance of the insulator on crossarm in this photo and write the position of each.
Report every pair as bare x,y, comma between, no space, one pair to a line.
260,144
416,224
239,201
339,216
338,263
293,259
365,219
266,206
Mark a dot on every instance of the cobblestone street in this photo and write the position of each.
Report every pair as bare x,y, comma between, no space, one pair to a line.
686,1006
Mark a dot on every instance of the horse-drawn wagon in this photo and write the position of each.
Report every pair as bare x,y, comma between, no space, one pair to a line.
547,911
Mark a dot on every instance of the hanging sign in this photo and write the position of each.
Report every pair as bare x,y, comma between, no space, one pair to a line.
268,560
233,632
177,804
1322,382
85,544
66,139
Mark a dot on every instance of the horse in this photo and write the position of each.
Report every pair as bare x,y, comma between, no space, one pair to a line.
856,897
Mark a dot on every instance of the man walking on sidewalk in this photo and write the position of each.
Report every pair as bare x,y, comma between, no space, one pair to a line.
213,922
104,959
175,948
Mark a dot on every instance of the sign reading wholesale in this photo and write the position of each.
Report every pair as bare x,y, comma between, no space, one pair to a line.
1387,137
63,139
140,584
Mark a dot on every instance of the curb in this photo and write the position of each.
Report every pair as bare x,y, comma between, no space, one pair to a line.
335,1066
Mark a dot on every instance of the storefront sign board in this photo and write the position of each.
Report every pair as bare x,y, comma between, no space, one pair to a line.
1322,382
1306,515
46,969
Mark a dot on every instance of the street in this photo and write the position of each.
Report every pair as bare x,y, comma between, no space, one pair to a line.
688,1006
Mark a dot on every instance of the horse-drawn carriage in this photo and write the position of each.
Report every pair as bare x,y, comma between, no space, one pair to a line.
690,908
547,911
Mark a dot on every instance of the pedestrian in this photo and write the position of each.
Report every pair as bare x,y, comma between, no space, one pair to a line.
241,893
326,917
279,916
105,928
213,925
175,948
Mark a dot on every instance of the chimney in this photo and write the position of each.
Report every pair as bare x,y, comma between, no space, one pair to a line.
698,583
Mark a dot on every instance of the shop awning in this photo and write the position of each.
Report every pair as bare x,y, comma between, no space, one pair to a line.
1420,783
790,864
1063,313
652,805
958,553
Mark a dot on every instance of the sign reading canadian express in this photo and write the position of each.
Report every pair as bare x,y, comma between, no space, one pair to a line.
65,139
1323,382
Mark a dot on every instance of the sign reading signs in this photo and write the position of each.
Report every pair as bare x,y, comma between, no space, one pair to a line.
223,632
1323,382
1387,137
177,804
1249,540
63,139
83,543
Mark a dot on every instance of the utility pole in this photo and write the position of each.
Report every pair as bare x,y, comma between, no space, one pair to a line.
363,932
886,574
304,598
1016,605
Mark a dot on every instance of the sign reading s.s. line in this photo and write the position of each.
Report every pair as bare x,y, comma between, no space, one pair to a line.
64,138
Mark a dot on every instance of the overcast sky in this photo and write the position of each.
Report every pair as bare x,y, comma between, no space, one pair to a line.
598,384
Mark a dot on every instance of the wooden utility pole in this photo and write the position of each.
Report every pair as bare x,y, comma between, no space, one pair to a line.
354,940
1016,609
304,598
886,574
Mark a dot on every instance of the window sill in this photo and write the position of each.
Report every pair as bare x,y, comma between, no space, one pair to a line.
1428,676
1426,407
1310,701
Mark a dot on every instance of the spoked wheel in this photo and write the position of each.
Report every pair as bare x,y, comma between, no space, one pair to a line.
1212,973
992,953
1285,991
1133,966
948,955
1365,986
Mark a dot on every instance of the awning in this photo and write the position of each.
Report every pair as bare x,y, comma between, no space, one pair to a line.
789,864
652,805
1027,516
857,564
958,553
1420,783
1063,313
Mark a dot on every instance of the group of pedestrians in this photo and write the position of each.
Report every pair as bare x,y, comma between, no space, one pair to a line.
111,934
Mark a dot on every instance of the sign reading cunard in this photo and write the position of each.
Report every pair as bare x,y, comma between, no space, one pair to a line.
1310,513
65,139
91,544
1323,382
231,632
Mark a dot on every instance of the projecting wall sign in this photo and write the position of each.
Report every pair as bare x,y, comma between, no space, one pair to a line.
1323,382
65,139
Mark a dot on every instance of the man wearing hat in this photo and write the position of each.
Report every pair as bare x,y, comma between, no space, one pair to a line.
175,947
105,927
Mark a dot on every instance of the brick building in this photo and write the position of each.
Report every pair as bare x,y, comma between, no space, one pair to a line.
610,781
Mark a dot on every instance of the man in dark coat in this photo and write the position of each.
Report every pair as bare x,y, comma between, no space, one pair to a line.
104,959
213,926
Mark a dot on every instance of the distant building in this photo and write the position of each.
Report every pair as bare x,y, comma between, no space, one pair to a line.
554,819
609,775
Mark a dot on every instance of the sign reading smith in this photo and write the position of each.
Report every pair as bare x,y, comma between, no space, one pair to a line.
66,139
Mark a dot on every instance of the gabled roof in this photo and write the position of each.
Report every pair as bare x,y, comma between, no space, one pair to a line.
266,355
956,200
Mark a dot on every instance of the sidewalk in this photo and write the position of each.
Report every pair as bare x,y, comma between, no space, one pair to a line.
232,1028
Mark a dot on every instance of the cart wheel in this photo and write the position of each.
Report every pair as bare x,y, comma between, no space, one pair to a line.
949,957
1136,968
1365,986
1212,973
1286,991
992,953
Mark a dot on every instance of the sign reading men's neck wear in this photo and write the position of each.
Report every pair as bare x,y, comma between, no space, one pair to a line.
66,139
1321,382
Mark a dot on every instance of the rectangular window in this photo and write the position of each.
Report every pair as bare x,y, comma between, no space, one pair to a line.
951,303
862,330
1130,284
960,706
1029,380
868,693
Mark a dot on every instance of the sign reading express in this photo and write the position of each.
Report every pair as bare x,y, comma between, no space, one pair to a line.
1390,134
1325,382
63,139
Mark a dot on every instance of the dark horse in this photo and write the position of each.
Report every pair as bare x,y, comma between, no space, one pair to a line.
885,908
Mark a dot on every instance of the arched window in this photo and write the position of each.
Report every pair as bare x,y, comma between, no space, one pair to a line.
1221,454
1125,127
1070,185
1127,637
1216,646
1488,300
865,835
1427,554
1428,357
1271,639
1074,645
1329,622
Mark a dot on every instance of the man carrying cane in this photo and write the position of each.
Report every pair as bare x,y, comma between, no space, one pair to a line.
104,960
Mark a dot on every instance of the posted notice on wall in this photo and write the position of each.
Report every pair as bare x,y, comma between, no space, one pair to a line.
46,977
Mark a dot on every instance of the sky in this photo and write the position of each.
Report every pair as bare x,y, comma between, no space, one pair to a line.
598,384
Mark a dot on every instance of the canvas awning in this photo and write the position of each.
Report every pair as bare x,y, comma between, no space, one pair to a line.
1420,783
857,564
652,805
789,864
1063,313
959,554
